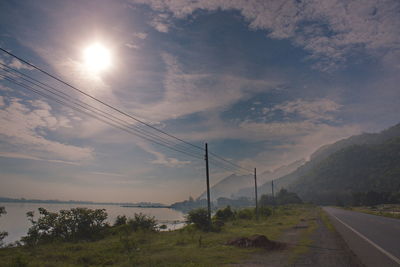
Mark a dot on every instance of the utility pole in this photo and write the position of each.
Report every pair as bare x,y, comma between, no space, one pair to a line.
273,197
255,191
208,186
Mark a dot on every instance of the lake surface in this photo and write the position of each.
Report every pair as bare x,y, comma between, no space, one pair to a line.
16,223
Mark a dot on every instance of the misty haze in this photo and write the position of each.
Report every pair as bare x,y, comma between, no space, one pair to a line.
199,133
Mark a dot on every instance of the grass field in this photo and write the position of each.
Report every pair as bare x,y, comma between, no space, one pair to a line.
184,247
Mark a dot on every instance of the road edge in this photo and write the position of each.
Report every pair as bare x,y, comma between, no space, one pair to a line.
369,253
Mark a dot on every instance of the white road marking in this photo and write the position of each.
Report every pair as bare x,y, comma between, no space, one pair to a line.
394,258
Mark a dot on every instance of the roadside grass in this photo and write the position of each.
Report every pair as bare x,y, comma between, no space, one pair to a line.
326,221
303,245
385,210
184,247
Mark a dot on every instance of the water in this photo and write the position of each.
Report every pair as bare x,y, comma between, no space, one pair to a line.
16,223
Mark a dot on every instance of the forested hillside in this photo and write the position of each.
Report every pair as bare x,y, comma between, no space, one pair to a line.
353,169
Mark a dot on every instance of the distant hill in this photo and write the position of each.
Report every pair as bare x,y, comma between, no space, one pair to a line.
227,186
265,183
362,139
78,202
357,164
357,168
235,186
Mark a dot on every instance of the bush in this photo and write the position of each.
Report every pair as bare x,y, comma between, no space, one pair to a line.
3,234
225,214
246,214
265,211
199,217
66,225
120,220
142,222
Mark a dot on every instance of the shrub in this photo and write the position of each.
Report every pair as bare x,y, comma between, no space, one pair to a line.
199,217
265,211
225,214
142,222
246,214
65,225
3,234
120,220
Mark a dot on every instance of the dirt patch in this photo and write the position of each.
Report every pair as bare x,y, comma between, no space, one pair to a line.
256,241
300,226
326,249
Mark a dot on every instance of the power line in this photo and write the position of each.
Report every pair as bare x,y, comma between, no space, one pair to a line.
80,103
96,99
231,163
116,109
115,124
41,85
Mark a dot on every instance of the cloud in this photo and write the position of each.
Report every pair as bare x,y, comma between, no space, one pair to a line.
329,29
314,110
161,159
187,93
131,46
30,157
108,174
24,131
277,130
140,35
285,121
16,64
160,23
296,147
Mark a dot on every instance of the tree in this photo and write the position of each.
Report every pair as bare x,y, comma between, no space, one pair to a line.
142,222
199,217
225,214
285,197
65,225
3,234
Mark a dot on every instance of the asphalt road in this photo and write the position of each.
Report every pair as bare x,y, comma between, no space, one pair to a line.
374,239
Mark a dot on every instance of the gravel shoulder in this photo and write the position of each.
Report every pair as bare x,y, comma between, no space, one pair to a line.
313,242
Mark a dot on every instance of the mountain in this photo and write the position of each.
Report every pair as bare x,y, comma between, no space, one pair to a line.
356,168
228,185
267,178
326,151
362,139
359,163
235,186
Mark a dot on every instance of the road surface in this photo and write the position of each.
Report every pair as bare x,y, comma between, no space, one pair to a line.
374,239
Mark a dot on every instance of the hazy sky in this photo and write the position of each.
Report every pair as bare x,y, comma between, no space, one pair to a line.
265,83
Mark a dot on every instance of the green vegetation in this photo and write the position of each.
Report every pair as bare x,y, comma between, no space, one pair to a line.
3,234
225,214
284,197
125,245
371,198
326,221
303,246
66,225
363,174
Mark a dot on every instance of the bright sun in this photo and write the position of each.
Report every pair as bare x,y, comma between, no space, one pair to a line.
97,58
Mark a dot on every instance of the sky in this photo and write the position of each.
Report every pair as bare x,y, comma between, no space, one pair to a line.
264,83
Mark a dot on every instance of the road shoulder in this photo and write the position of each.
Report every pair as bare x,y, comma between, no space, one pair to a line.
313,242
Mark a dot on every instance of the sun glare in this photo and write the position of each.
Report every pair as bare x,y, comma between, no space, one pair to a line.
97,58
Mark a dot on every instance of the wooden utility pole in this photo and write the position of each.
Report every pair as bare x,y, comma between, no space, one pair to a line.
208,186
255,191
273,197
